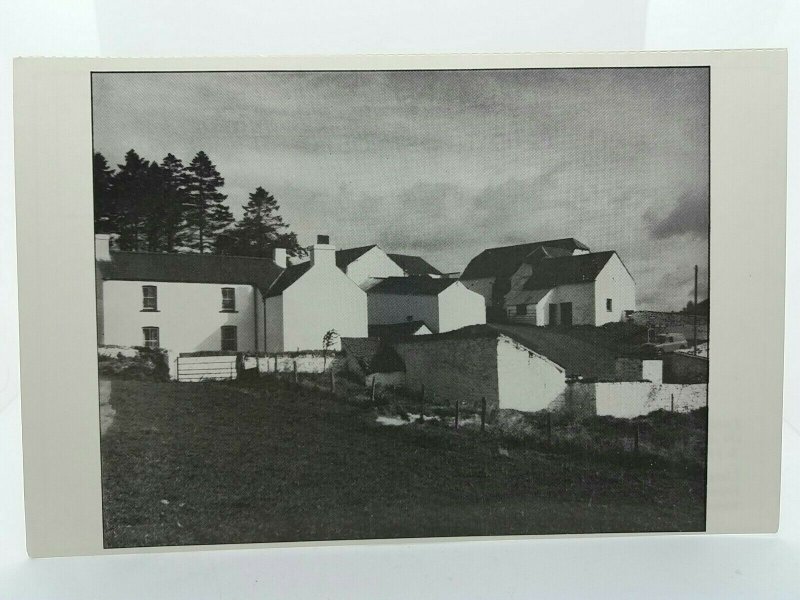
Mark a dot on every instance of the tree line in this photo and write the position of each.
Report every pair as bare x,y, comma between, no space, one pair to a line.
171,207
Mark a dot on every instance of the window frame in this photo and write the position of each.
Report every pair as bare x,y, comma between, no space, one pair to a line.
146,342
232,298
146,298
609,305
235,339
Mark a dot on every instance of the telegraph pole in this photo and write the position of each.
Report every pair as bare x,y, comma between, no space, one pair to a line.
695,310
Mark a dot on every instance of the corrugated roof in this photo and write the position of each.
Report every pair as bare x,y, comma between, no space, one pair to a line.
562,270
502,262
415,285
190,268
288,277
414,265
347,255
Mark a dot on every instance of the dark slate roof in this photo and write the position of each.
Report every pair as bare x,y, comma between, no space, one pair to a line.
503,262
415,285
190,268
394,330
414,265
348,255
581,268
288,277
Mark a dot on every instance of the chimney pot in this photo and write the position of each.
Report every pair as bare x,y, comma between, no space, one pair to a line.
323,239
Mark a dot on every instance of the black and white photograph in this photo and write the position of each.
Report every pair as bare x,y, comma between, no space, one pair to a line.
355,305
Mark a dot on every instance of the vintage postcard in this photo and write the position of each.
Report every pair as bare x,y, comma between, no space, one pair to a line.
377,298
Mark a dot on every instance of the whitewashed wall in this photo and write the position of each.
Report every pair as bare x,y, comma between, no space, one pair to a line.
527,381
385,309
616,283
459,307
323,298
482,287
632,399
189,315
583,304
373,264
274,318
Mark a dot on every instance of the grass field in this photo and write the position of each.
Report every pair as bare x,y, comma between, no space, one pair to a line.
211,463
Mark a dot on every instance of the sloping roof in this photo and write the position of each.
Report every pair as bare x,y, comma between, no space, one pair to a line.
394,330
190,268
414,265
415,285
526,296
288,277
346,256
581,268
502,262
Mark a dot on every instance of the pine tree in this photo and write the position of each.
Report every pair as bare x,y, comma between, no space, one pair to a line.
172,198
130,190
205,213
103,179
261,229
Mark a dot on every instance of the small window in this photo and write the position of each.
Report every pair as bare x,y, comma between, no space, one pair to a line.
229,343
609,304
149,297
522,309
228,299
151,337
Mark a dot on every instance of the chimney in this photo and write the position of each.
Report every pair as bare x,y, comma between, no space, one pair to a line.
322,253
279,257
102,246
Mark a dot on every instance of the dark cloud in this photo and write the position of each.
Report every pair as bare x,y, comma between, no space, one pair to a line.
688,217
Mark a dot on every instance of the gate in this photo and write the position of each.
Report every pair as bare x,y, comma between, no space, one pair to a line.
199,366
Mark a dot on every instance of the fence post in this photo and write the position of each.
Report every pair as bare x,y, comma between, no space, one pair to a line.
549,429
333,382
372,394
458,411
422,402
672,403
483,414
636,439
276,362
294,368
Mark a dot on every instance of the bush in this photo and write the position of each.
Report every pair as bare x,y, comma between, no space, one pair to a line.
148,364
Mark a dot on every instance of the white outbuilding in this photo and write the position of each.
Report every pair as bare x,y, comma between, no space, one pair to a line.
442,304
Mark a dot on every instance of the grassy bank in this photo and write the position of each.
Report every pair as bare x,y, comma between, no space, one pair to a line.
259,462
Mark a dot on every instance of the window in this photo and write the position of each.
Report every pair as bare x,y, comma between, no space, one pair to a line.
609,305
228,300
522,309
229,343
149,297
151,337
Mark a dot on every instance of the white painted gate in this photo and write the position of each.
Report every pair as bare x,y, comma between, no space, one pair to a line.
218,367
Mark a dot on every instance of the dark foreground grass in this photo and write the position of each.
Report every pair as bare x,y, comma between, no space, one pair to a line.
214,463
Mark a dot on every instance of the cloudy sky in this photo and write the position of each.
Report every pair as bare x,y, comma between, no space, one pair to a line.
444,164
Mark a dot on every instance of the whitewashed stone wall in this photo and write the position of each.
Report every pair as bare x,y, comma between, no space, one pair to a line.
630,399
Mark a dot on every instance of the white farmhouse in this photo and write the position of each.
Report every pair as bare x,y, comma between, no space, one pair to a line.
311,298
556,282
442,304
367,264
204,302
490,272
587,289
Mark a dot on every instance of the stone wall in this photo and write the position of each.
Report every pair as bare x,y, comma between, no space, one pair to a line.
451,369
668,322
630,399
636,369
307,362
685,368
